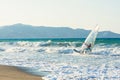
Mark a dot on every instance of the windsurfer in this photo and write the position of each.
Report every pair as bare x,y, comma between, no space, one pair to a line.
88,46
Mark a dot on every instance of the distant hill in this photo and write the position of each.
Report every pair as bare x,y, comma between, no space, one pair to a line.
29,31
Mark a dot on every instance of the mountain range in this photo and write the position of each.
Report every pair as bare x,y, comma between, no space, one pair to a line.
29,31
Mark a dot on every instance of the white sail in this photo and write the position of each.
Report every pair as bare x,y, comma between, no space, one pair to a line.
90,40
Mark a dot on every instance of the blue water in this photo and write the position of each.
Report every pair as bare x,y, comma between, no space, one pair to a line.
55,59
79,40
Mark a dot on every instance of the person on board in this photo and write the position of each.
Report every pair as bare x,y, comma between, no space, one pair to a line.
87,49
88,46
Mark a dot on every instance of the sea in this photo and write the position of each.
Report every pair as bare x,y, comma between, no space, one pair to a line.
54,58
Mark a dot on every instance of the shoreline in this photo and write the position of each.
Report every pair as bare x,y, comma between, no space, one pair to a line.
14,73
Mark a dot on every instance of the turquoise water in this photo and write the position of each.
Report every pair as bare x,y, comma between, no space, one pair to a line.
98,40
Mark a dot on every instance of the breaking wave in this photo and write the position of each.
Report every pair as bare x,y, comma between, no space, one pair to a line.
56,60
56,47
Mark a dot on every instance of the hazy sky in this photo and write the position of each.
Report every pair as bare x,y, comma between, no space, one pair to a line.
70,13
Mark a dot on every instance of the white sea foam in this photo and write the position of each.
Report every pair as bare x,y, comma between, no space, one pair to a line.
58,61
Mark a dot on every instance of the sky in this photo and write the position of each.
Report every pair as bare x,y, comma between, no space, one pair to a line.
83,14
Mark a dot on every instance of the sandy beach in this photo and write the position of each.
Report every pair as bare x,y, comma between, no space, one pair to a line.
13,73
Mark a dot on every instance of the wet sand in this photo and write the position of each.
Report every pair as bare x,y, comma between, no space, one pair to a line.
13,73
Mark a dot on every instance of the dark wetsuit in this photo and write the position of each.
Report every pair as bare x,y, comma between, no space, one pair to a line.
88,46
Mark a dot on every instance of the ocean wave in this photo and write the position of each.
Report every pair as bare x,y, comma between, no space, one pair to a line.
60,61
56,47
41,43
